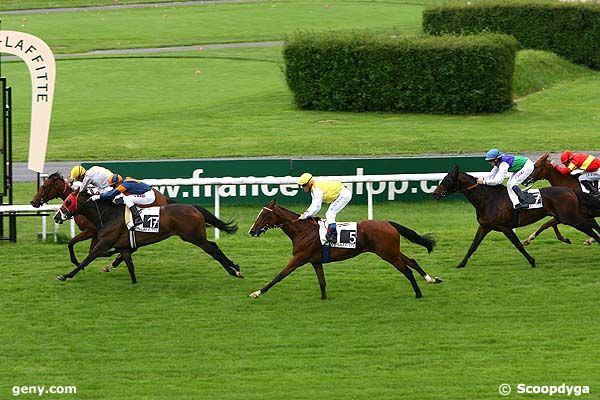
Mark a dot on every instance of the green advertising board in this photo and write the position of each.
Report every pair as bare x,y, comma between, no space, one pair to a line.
279,167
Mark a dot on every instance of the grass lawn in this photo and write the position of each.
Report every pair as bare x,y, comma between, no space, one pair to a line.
216,23
189,331
234,102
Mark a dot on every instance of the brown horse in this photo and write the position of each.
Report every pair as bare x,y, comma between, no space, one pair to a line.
379,237
545,170
495,211
54,187
184,220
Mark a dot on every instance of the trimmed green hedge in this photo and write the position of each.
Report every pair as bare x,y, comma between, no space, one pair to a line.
571,30
426,74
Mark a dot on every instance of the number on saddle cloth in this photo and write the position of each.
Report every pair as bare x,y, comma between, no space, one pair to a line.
346,234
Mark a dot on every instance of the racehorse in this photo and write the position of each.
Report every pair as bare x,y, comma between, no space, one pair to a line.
54,187
545,170
184,220
495,210
379,237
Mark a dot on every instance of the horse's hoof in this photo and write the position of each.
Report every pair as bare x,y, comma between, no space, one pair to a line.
437,280
460,266
525,243
240,274
106,269
418,295
586,243
568,241
61,278
255,295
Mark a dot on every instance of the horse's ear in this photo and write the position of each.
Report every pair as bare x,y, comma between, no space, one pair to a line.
454,170
545,156
271,203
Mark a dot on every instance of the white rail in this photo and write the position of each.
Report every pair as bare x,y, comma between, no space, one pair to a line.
16,209
249,180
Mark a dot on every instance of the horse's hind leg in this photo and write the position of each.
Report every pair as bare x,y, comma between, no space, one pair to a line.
414,265
402,266
321,277
508,232
215,252
589,226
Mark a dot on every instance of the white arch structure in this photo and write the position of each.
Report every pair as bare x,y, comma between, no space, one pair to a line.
42,69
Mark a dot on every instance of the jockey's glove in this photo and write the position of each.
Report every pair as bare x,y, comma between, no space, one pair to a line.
95,197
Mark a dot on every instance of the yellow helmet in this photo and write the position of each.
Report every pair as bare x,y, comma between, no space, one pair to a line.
77,172
305,178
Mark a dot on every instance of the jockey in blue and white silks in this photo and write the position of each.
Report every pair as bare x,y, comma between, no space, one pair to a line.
521,167
132,192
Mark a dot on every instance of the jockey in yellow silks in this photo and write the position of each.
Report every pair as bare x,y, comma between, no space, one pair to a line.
95,176
332,192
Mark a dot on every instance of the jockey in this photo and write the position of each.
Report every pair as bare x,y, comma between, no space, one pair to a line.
521,167
129,191
333,192
587,163
95,176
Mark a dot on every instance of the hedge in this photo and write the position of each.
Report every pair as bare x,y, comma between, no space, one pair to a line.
571,30
424,74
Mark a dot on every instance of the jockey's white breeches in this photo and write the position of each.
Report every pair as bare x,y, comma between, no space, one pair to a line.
337,205
517,178
141,199
590,176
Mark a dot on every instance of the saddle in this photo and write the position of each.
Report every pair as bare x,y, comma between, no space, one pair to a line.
533,198
150,220
346,235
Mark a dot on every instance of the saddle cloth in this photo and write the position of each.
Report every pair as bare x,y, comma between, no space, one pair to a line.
346,234
534,198
150,217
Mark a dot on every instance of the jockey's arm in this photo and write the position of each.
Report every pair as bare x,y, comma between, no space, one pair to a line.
315,205
111,194
497,175
565,170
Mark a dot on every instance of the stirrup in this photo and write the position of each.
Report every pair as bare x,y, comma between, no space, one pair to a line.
521,206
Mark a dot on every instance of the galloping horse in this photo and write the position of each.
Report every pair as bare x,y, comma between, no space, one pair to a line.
54,187
545,170
379,237
495,211
184,220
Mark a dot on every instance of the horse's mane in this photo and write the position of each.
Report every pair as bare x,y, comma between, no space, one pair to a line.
56,174
295,213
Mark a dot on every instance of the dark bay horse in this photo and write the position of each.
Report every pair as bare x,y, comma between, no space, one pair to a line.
54,187
379,237
184,220
545,170
495,211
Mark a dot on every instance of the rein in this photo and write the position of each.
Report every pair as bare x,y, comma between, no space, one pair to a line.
470,187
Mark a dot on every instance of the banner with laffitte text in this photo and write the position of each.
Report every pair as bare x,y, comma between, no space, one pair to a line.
42,68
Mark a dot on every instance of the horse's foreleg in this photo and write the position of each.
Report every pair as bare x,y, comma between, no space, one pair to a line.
86,261
79,238
129,262
589,226
549,224
482,231
515,241
318,267
289,268
215,252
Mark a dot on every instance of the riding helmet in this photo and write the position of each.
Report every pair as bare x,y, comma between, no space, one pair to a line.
305,178
115,179
77,173
566,156
492,154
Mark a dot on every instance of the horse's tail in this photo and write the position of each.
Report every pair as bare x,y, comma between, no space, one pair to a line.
230,227
426,241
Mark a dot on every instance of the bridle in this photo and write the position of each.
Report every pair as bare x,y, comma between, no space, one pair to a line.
43,199
267,227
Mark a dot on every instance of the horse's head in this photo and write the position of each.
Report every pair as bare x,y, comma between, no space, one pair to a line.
68,208
53,187
265,220
542,168
448,185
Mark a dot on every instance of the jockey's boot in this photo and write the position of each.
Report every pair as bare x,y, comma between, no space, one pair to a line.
522,201
589,185
331,235
135,213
